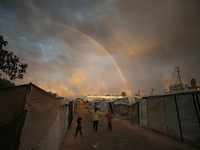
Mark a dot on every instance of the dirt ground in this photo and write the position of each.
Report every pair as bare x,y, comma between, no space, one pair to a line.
124,136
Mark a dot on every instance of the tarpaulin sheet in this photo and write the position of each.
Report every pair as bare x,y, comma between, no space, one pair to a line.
172,117
42,112
10,133
12,101
52,140
121,101
135,113
143,112
12,115
129,112
64,120
156,115
183,117
105,106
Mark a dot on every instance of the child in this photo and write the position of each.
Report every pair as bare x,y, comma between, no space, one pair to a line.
78,128
95,116
109,120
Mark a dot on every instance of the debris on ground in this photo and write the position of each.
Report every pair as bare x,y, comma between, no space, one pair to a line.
96,145
125,140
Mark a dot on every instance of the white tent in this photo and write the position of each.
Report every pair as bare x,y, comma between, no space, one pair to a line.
107,105
121,101
43,119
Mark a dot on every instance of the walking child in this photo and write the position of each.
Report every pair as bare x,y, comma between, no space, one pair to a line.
109,120
78,128
95,117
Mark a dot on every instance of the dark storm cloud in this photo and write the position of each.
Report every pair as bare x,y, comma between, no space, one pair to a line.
164,23
147,39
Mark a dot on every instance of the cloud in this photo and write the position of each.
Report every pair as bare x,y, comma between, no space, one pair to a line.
167,80
81,84
66,43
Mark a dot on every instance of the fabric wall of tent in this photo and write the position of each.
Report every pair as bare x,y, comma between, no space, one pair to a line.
121,101
132,100
106,106
71,113
143,112
176,115
30,118
12,116
64,118
129,112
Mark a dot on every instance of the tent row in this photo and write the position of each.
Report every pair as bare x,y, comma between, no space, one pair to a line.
30,118
122,109
175,115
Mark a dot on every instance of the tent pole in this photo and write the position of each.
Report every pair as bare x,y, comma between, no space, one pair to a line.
178,118
198,101
196,108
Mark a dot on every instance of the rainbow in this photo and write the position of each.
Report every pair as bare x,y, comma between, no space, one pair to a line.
127,47
90,38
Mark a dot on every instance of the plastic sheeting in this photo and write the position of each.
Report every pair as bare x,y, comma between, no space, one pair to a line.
12,116
171,117
105,106
12,102
135,113
10,133
129,112
121,101
177,115
156,115
64,118
143,113
183,117
41,115
132,100
30,118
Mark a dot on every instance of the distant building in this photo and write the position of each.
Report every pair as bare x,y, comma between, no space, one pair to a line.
91,98
176,88
179,87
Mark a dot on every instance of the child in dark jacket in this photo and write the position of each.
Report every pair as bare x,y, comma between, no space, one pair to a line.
78,128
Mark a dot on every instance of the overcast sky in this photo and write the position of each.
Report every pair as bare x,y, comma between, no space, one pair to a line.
81,47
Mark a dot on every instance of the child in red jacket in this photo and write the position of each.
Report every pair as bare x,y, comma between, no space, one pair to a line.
109,120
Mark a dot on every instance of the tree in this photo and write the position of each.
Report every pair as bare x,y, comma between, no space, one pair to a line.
10,64
5,83
123,94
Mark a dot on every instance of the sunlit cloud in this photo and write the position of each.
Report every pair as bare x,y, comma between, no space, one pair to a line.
103,47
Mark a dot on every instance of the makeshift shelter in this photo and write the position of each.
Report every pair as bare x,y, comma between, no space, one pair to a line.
121,101
71,113
106,106
132,100
121,108
176,115
143,112
129,112
30,118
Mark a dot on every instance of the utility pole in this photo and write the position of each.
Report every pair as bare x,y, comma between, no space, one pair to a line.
139,93
152,91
